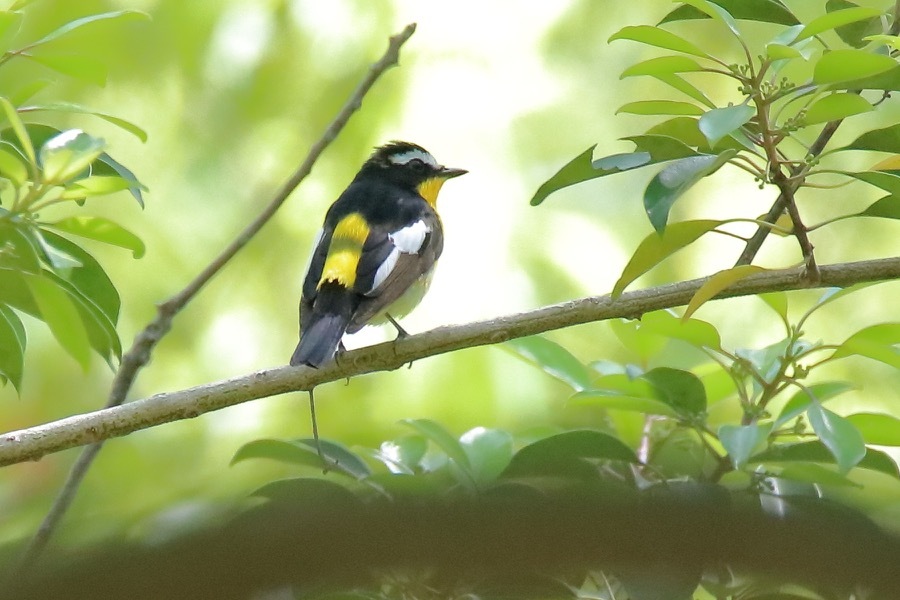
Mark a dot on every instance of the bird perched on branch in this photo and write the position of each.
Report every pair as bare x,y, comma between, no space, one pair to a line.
376,251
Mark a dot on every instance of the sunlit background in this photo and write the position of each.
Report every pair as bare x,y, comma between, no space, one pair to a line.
233,93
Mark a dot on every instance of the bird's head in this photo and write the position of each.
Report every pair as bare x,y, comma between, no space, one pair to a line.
411,166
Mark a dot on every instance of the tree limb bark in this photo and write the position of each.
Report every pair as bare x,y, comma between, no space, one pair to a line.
93,427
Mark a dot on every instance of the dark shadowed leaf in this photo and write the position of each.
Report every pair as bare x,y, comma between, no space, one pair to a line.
768,11
303,452
12,347
657,247
841,438
886,139
553,359
106,165
682,390
817,452
854,32
557,454
674,180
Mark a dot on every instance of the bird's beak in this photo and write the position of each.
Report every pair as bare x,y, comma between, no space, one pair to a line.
450,173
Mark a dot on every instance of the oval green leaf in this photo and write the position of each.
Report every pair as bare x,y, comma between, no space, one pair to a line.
489,452
848,65
12,167
693,331
718,282
841,438
609,400
12,347
654,36
556,454
719,122
767,11
657,247
663,65
660,107
68,154
442,438
677,178
878,342
886,139
682,390
101,230
878,429
741,441
836,107
61,316
835,19
70,107
552,359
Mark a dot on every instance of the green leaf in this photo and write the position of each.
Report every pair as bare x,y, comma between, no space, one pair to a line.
835,107
19,128
835,19
688,89
61,316
718,282
852,33
687,131
12,167
816,451
682,390
77,23
663,65
657,247
775,51
105,165
693,331
17,251
886,139
99,185
308,496
403,455
552,359
68,154
660,107
849,65
878,342
303,452
841,438
442,438
675,179
741,441
102,230
888,81
654,36
885,208
717,13
638,340
561,453
27,90
12,347
577,170
819,392
815,473
661,148
878,429
10,24
887,181
84,68
69,107
489,450
777,301
609,399
767,11
59,260
719,122
89,279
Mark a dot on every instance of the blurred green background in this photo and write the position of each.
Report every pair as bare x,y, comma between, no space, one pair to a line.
232,94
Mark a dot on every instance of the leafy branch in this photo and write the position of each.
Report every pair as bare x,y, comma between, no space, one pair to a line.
139,354
90,428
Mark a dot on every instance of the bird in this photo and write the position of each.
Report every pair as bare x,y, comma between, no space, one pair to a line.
375,254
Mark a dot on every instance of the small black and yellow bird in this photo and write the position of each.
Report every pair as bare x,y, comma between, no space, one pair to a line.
376,251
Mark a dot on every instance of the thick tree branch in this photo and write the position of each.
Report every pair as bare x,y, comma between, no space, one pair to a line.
139,354
90,428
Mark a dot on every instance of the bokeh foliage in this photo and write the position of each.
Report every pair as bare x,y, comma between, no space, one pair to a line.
735,402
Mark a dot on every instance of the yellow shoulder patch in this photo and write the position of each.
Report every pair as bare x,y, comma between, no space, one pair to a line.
345,250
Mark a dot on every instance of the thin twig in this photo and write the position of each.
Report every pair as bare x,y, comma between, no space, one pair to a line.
145,341
38,441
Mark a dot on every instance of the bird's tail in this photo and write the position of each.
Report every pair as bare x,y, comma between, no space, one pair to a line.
331,313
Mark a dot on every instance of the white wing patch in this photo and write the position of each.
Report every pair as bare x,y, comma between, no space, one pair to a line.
415,153
408,240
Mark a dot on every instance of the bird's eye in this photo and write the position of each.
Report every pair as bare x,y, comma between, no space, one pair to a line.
416,165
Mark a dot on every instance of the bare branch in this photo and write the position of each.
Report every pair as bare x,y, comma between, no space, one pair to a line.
35,442
145,341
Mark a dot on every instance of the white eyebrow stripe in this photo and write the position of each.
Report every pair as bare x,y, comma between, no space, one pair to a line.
415,153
